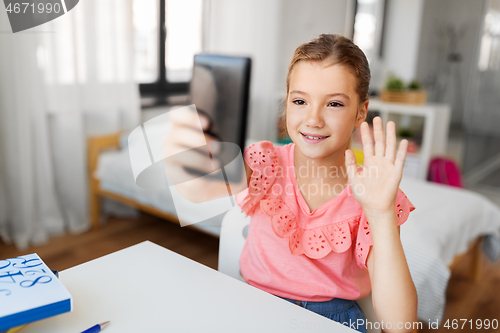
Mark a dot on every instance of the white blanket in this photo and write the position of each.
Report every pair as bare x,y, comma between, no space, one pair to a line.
445,222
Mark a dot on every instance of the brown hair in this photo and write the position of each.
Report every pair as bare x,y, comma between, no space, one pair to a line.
338,50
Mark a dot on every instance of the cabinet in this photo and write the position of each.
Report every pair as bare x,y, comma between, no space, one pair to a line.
425,126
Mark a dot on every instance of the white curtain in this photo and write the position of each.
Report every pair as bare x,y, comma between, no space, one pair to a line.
60,83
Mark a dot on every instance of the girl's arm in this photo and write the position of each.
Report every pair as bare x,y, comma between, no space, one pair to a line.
393,292
201,189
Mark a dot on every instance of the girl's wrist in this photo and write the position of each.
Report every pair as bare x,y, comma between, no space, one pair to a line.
379,213
378,217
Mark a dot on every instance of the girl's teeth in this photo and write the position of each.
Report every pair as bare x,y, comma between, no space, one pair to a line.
314,138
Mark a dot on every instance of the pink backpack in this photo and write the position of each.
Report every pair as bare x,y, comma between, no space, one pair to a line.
445,171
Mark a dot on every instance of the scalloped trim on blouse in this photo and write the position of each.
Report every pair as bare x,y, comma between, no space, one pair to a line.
262,159
337,237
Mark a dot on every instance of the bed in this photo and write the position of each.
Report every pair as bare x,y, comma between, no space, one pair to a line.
447,222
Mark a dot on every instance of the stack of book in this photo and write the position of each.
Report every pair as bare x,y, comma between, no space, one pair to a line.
29,291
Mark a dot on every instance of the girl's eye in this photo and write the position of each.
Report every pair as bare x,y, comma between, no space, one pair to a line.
335,104
299,102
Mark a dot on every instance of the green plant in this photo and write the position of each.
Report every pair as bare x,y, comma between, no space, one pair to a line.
405,133
414,85
394,83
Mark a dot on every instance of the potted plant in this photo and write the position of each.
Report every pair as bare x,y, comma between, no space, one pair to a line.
397,92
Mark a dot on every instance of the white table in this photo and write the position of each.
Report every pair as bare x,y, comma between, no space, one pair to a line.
147,288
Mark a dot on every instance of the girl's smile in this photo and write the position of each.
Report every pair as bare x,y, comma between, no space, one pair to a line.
311,138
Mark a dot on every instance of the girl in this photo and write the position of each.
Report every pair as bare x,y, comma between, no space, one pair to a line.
324,232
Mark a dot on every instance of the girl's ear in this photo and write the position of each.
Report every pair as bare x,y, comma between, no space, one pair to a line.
361,115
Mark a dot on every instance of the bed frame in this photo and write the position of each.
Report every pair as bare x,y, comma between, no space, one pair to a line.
96,145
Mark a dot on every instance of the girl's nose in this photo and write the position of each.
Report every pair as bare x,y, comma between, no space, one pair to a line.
315,117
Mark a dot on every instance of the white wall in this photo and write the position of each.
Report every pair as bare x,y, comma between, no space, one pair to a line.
402,36
249,28
269,31
301,21
432,69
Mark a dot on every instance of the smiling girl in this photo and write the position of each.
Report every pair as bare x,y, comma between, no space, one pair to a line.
323,239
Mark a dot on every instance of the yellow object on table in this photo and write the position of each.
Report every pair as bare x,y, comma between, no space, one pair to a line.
15,329
358,152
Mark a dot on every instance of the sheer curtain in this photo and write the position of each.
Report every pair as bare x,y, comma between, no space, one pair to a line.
60,83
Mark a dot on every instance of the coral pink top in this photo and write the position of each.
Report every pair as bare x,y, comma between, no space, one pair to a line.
294,253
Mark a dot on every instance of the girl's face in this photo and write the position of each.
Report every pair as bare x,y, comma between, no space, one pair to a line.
322,108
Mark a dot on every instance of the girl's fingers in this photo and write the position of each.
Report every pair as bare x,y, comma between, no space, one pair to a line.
401,155
197,158
366,138
350,164
390,150
189,137
378,134
189,118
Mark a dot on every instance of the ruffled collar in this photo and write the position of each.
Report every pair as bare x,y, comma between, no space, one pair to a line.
316,242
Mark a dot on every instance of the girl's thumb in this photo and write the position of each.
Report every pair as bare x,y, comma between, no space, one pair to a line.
204,122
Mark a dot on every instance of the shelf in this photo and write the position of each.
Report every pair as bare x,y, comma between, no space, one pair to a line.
425,126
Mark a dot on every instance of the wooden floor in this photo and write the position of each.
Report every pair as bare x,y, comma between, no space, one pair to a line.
465,299
70,250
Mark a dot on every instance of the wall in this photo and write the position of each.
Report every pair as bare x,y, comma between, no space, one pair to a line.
301,21
402,36
249,28
449,83
417,45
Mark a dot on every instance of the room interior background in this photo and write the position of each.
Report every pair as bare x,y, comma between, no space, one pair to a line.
481,104
62,82
77,76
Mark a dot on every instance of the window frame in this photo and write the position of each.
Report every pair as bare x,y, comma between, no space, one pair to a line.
161,89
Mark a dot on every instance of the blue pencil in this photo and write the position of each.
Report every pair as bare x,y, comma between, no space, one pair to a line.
97,328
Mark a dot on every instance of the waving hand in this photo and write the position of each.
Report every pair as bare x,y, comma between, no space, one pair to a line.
375,184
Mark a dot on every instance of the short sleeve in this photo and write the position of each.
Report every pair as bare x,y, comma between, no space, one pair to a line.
262,159
403,207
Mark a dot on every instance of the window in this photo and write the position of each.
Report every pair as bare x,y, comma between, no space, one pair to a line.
489,52
167,35
368,27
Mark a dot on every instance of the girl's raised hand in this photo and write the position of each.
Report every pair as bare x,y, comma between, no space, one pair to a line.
375,184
